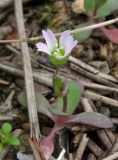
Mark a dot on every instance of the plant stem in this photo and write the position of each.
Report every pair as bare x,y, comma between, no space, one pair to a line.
65,103
64,91
55,75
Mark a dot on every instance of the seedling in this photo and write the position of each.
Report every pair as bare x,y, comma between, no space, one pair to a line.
6,137
67,93
96,11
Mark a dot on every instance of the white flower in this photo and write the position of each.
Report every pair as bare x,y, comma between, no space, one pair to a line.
58,50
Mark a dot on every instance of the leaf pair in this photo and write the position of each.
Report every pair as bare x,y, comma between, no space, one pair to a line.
73,98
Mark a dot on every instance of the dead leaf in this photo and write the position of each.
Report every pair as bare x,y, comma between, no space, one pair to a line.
60,16
101,66
78,6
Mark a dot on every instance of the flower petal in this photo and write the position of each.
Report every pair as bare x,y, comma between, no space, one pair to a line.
64,38
42,47
71,44
52,36
50,39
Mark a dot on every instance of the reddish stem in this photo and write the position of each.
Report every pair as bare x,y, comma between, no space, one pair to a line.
65,103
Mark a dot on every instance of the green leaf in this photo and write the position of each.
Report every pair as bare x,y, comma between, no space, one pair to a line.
43,105
1,148
100,3
73,98
82,36
90,6
58,86
6,128
40,100
14,141
91,118
59,107
5,139
107,8
22,99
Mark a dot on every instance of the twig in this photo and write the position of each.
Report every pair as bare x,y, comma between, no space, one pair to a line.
86,105
97,97
7,105
112,157
95,148
61,156
45,79
92,76
92,69
39,77
103,135
8,117
14,50
33,116
16,133
71,156
83,29
81,147
115,147
105,139
99,87
91,157
4,82
35,149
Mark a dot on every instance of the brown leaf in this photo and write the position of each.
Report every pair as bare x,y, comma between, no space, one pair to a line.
78,6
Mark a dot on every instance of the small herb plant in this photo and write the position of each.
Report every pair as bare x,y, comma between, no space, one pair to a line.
6,137
67,93
96,11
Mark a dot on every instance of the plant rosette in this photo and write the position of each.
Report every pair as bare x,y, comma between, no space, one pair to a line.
63,115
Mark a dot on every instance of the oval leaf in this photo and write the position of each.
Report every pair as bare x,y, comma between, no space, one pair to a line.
91,118
90,6
43,105
6,128
82,36
14,141
1,148
100,3
107,8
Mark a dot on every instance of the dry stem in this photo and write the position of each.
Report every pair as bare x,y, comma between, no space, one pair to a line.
33,116
83,29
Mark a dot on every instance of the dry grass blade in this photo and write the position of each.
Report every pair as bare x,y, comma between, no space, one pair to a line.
35,149
103,99
32,108
81,147
112,157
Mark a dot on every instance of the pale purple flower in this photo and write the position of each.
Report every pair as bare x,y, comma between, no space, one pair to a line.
57,49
